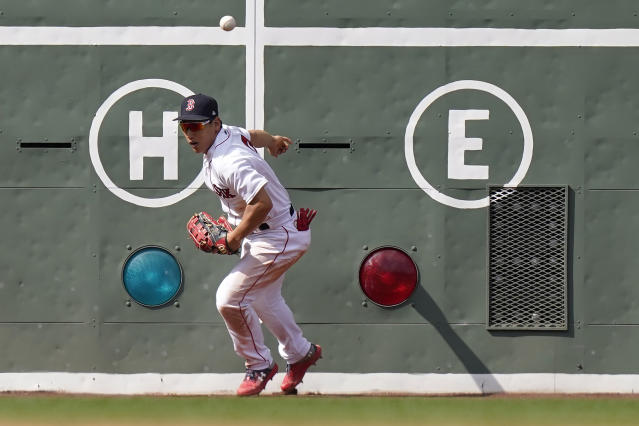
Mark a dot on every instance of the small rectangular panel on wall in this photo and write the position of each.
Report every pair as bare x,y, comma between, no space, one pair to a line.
527,258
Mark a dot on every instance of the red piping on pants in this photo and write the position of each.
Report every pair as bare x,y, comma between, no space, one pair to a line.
251,287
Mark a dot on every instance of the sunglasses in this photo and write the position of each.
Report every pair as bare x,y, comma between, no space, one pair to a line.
193,126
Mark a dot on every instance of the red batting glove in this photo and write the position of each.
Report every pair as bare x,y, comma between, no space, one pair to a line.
304,219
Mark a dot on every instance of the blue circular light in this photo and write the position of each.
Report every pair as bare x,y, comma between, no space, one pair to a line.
152,276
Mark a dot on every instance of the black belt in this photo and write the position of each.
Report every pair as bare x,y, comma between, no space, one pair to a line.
264,226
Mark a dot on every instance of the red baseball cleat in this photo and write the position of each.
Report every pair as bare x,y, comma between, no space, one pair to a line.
255,381
295,372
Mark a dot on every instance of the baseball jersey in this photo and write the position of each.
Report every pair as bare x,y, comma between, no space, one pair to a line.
236,172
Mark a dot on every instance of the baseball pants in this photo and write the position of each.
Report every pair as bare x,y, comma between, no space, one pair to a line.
253,291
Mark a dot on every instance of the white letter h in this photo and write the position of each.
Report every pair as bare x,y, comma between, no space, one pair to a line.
165,146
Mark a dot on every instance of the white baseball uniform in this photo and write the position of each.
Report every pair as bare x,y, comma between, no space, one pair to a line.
252,290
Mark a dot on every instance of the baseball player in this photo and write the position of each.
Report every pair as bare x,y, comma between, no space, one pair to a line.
266,231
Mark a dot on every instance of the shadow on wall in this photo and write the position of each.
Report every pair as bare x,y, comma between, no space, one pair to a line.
428,309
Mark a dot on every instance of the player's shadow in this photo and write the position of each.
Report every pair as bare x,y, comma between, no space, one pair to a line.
428,309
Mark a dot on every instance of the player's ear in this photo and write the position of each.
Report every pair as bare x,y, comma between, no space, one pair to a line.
217,123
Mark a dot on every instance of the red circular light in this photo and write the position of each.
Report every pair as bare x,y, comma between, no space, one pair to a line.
388,276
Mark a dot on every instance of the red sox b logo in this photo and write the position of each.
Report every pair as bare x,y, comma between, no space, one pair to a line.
190,104
223,192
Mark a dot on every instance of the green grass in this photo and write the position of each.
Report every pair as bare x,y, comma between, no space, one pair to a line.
319,410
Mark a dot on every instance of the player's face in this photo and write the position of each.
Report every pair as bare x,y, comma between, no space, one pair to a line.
200,135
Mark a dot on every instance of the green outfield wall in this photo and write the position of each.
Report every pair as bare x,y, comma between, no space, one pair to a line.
416,109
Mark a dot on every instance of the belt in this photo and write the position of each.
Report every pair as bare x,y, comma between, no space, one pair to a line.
264,226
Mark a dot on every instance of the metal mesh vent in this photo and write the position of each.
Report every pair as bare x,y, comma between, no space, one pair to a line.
527,285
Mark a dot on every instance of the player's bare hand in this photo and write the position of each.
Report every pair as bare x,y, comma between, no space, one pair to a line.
234,243
279,145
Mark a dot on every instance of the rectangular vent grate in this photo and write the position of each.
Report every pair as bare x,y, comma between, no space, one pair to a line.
41,145
527,251
324,145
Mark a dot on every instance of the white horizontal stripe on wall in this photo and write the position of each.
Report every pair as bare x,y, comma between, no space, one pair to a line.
322,383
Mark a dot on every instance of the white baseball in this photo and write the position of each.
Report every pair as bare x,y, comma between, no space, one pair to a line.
227,23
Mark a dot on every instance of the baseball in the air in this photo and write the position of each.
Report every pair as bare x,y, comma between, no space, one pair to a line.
227,23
